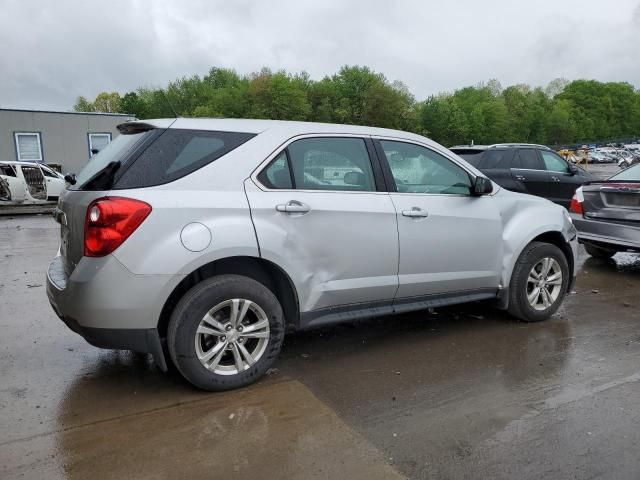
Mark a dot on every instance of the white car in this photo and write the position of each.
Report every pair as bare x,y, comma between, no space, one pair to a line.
29,183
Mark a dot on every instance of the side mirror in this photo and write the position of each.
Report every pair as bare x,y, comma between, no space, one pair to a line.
482,186
573,169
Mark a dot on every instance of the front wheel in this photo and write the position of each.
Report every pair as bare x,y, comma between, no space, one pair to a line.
225,332
539,282
599,252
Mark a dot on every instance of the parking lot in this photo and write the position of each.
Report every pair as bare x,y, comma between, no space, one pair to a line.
458,393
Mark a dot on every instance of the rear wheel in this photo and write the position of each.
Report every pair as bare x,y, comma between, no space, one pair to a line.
539,282
599,252
225,332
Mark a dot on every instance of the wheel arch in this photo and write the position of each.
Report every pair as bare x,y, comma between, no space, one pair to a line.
557,238
259,269
550,236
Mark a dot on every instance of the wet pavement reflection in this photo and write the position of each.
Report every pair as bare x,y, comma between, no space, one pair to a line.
463,392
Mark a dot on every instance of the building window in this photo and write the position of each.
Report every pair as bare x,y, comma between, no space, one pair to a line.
97,141
28,146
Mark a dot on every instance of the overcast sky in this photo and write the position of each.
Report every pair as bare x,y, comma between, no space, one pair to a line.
53,51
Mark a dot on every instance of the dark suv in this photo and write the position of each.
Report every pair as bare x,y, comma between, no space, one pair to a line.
527,168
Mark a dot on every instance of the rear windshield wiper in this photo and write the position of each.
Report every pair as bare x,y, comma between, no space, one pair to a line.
103,179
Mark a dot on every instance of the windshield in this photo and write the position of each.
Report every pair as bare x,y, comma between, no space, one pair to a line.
115,151
631,174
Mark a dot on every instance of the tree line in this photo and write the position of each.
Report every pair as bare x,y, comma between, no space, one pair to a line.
561,113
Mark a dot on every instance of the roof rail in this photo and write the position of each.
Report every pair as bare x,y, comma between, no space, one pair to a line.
519,145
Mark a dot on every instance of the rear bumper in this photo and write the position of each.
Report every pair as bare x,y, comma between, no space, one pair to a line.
136,339
109,306
599,232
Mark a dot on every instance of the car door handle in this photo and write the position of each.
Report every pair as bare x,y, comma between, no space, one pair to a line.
521,178
293,206
555,179
415,212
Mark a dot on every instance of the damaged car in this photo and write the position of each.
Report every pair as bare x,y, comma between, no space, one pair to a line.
202,241
23,183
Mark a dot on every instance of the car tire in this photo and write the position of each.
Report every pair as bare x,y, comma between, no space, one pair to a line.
208,331
523,284
599,252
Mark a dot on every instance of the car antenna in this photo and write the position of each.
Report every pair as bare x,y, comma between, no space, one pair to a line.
166,99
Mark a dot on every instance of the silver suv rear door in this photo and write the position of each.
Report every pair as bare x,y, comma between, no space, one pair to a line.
320,214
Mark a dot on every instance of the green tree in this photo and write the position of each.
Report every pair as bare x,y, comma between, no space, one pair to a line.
562,112
107,102
83,105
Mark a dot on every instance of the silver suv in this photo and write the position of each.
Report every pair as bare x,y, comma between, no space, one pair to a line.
202,241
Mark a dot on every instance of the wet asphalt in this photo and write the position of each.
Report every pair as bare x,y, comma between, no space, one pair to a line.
465,392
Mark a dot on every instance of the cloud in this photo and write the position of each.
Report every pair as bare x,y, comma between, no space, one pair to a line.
51,52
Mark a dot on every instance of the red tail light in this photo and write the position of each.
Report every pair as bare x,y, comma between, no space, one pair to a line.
576,203
109,222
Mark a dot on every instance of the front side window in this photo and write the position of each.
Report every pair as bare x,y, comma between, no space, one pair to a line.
417,169
97,141
324,163
553,162
28,146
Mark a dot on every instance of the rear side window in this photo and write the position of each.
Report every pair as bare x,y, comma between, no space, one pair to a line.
177,153
529,159
326,163
277,174
493,159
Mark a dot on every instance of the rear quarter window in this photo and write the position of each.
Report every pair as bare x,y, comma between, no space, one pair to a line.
177,153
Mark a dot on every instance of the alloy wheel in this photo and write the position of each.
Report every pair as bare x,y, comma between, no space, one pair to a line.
544,283
232,336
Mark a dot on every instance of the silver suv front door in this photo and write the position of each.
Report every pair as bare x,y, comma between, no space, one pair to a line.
319,216
450,241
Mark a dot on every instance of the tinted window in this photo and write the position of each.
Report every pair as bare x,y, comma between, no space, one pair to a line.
177,153
331,164
493,159
529,159
118,150
417,169
277,174
469,155
553,162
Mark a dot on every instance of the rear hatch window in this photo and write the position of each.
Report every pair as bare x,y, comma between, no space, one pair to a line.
154,157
